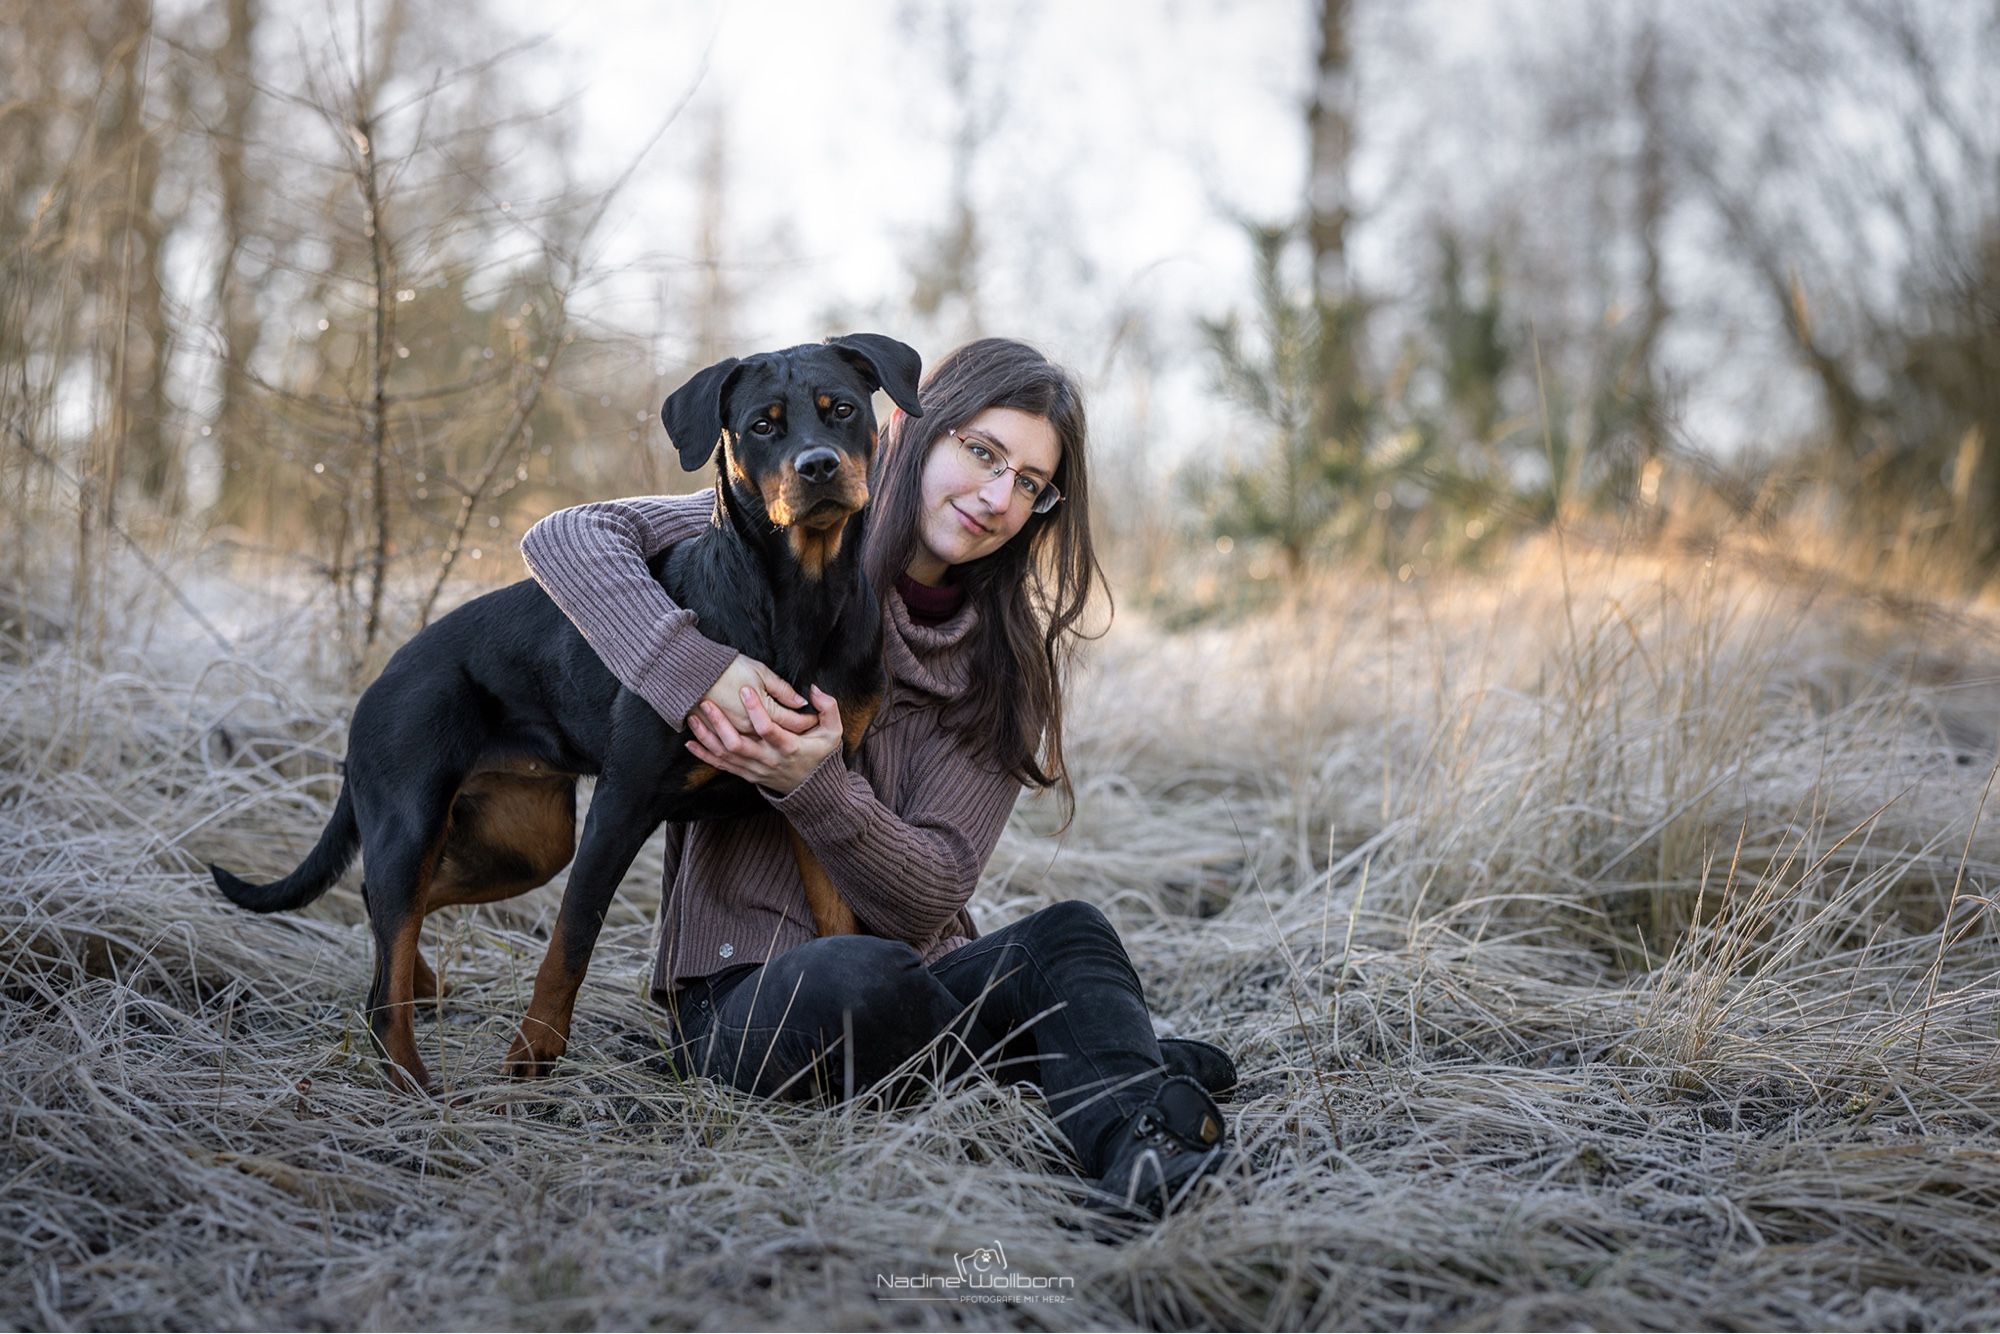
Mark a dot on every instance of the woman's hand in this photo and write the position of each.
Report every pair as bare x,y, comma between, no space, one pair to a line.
769,755
773,690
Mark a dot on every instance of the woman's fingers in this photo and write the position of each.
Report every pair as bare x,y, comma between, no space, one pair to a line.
699,730
726,737
829,710
791,720
768,753
778,688
782,704
761,722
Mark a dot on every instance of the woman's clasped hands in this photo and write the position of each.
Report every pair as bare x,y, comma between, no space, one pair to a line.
780,745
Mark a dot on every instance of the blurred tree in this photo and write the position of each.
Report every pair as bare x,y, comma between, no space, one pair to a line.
1855,180
1330,148
1456,408
1302,490
715,307
136,367
443,291
945,273
236,314
1340,404
1640,380
1301,378
85,332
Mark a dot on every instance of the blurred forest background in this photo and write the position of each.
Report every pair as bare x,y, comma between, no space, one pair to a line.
329,286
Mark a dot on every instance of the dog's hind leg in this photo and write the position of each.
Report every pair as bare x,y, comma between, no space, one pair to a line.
400,849
507,834
619,823
425,985
396,920
415,737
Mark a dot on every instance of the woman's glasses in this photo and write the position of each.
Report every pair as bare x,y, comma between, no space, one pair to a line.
988,460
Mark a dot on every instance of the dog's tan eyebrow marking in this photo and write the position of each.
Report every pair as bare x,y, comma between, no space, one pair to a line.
825,401
776,412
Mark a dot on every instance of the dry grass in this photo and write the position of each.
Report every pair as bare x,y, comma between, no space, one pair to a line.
1606,943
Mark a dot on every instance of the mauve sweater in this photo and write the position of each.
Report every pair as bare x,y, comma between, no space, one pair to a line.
904,832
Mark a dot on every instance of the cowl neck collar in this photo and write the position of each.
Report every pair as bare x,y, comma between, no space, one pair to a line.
930,658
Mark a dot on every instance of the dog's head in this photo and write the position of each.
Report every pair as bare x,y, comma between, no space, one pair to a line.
797,427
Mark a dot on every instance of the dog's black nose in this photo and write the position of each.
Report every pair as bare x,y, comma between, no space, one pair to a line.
818,465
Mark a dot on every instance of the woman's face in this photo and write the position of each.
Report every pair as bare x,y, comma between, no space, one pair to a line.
966,514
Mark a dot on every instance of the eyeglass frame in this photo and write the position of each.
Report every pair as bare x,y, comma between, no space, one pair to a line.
1051,494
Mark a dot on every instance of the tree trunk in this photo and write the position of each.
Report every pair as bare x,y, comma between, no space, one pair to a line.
1643,376
137,444
236,310
1330,135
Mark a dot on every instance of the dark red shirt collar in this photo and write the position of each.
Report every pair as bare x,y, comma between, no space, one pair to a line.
930,606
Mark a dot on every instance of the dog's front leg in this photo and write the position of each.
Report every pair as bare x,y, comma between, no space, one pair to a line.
622,817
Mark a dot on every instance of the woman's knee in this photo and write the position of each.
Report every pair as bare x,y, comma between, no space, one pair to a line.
834,977
1074,917
863,1004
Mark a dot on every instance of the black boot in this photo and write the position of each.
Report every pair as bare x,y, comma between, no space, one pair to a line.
1163,1150
1205,1063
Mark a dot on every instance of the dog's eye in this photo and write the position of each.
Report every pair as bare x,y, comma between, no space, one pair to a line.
842,411
762,426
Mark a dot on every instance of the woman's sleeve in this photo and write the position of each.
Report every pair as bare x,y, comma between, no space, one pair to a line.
906,875
591,559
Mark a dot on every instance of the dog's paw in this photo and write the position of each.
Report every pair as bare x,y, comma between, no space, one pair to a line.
533,1058
409,1077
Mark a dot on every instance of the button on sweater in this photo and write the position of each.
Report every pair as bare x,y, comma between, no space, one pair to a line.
903,831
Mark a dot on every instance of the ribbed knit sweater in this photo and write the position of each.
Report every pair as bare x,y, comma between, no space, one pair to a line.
904,832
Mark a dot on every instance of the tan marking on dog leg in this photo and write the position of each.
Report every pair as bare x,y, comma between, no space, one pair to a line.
426,985
831,915
544,1032
854,720
394,1022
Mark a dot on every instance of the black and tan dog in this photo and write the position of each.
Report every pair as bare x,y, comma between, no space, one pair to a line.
463,756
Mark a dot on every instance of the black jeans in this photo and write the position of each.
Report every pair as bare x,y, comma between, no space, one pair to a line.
1051,999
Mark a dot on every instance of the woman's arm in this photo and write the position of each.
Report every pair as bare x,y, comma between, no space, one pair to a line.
591,559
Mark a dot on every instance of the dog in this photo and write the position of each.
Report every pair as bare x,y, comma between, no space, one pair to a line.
463,756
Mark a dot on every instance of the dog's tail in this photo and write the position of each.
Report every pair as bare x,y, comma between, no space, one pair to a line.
315,875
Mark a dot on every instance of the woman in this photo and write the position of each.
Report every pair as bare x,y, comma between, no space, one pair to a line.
979,546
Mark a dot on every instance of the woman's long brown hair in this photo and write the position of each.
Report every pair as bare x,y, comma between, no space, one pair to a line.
1031,594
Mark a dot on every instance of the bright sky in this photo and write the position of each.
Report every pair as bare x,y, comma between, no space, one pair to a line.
1119,135
1123,141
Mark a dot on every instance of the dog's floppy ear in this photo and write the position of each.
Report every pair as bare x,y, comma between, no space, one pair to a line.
692,414
890,366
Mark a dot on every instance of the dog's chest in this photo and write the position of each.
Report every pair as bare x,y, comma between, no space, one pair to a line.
798,630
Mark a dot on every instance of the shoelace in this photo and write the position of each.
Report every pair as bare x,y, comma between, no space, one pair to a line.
1149,1127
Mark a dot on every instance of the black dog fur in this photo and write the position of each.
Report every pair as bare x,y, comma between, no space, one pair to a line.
463,755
